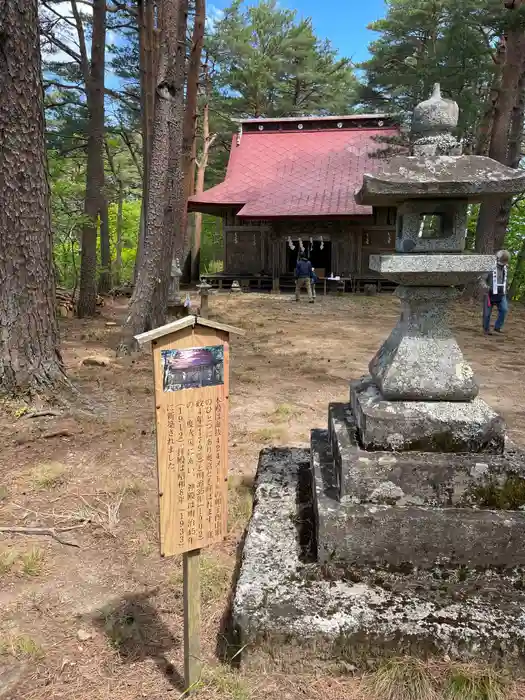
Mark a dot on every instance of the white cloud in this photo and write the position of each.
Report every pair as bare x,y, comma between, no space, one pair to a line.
213,15
65,29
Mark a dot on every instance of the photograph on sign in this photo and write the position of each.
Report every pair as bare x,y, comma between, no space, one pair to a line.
192,368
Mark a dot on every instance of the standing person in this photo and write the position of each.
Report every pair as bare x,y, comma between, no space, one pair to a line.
313,279
303,275
496,286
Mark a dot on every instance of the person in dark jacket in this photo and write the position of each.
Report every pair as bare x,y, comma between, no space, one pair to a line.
496,286
303,276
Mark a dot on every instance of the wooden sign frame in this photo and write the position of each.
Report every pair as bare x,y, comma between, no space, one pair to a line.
191,416
191,362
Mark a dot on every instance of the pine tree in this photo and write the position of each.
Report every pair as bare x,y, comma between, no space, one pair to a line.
29,342
426,41
269,64
163,236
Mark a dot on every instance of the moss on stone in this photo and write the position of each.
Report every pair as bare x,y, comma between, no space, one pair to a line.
507,496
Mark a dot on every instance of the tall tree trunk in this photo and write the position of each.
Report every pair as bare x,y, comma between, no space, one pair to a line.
147,48
94,198
104,278
175,212
202,164
485,126
30,358
118,256
513,160
507,98
189,146
165,191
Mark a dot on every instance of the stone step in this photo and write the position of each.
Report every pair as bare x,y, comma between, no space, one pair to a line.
402,514
412,478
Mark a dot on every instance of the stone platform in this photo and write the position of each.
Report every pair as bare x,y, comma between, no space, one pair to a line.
411,513
286,605
426,426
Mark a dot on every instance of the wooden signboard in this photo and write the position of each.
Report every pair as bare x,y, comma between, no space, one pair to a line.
191,375
191,364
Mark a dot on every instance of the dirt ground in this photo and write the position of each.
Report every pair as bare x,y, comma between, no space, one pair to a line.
104,619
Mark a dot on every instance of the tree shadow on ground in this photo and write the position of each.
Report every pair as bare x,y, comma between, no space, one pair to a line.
133,627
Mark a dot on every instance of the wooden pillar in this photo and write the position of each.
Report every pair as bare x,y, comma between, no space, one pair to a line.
275,254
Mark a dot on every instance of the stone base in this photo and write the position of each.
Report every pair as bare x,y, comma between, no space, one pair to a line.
287,607
421,360
416,478
425,426
176,309
413,513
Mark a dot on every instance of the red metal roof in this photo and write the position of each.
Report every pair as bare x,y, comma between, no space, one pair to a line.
296,173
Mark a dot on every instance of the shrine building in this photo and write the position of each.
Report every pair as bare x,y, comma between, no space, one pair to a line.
290,186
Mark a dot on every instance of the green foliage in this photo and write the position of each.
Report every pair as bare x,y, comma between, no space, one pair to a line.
426,41
268,63
265,62
211,244
515,244
471,683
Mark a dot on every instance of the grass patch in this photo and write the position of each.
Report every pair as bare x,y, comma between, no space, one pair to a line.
215,578
4,493
49,476
227,683
473,683
7,561
32,562
283,412
21,647
270,434
240,501
403,678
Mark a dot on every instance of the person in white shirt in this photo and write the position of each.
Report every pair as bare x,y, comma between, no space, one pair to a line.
496,286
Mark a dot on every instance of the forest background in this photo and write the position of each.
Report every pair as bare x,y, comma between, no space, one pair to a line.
259,60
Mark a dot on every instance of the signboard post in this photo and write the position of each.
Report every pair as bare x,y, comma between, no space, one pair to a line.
191,376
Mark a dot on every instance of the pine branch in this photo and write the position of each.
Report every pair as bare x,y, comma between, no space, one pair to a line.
62,46
63,86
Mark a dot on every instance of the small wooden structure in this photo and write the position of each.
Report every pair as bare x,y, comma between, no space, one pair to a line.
290,185
191,378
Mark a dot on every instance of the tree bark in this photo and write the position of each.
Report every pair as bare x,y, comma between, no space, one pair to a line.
192,91
189,145
514,158
491,219
118,256
147,48
202,164
30,360
485,126
189,139
104,278
165,192
94,198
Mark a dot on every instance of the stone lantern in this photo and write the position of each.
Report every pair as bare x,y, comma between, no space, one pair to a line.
395,531
421,393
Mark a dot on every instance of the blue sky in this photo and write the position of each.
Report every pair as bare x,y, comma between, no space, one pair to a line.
344,22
